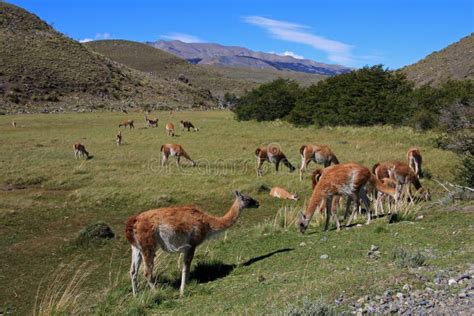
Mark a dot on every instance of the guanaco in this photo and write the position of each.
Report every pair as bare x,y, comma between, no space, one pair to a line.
118,138
174,150
126,123
403,176
13,124
273,155
80,150
170,129
321,154
151,122
414,161
283,194
345,180
176,229
187,125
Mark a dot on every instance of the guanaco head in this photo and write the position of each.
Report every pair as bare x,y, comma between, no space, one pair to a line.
294,196
246,201
303,222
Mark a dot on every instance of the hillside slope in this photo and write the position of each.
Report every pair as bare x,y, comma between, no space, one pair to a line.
217,79
453,62
41,67
235,56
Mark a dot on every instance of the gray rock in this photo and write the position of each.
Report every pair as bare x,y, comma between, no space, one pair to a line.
324,257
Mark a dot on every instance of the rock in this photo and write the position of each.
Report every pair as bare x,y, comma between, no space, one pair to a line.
419,217
358,225
462,295
463,277
374,248
324,257
97,231
452,282
302,244
400,296
406,287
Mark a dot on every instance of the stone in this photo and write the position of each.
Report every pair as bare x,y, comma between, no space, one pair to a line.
374,248
452,282
302,244
324,257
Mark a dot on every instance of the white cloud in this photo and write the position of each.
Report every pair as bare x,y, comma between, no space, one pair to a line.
98,36
291,54
336,51
186,38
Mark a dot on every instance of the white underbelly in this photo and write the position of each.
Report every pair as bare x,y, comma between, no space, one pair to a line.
171,241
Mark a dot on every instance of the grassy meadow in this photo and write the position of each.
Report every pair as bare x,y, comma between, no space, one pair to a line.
261,265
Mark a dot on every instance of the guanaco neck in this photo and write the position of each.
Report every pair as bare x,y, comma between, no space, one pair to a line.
314,202
229,219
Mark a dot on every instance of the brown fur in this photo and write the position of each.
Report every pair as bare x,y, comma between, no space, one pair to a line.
281,193
126,123
151,122
80,150
273,155
178,228
174,150
344,180
170,129
318,153
187,125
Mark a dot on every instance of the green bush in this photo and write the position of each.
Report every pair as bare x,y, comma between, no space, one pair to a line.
404,258
268,102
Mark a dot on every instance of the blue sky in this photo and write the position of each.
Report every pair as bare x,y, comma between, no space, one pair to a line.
352,33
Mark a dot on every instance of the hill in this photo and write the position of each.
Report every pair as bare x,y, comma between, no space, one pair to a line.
454,62
42,68
235,56
218,79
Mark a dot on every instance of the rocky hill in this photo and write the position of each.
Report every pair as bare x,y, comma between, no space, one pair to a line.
453,62
42,69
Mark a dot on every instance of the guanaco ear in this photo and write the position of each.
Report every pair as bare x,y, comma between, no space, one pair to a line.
237,194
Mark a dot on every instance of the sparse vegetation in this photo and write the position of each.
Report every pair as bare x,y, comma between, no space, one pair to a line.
407,258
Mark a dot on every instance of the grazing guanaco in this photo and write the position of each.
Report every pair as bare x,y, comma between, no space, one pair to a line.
170,129
126,123
345,180
174,150
80,150
187,125
13,124
321,154
414,161
403,175
273,155
118,138
176,229
150,122
281,193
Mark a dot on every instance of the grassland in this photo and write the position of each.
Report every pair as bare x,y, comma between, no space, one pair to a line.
46,197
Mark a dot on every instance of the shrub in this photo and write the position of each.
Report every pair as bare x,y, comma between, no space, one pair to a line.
94,232
404,258
268,102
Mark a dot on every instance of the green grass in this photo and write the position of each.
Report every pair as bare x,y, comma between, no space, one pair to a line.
47,197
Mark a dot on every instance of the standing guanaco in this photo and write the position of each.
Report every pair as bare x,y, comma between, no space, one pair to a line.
321,154
414,161
345,180
176,229
80,150
187,125
126,123
174,150
170,129
273,155
150,122
118,138
281,193
403,176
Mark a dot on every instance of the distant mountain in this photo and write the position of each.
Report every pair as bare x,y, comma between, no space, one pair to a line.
453,62
41,68
171,68
234,56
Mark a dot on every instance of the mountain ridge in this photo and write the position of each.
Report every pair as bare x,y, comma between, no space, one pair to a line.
236,56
